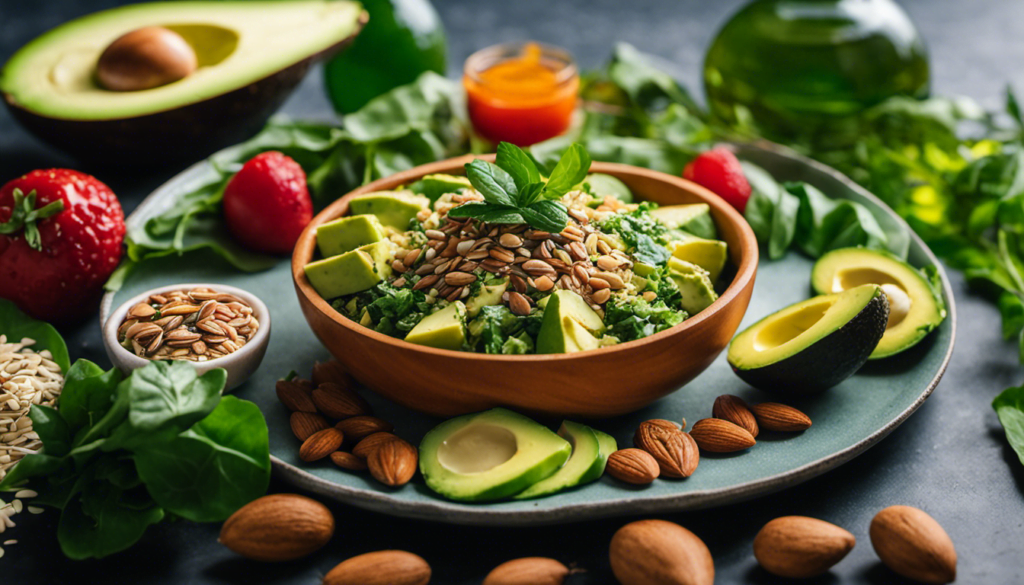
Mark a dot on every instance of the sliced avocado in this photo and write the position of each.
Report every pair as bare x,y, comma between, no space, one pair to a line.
489,455
915,306
392,208
694,283
434,186
708,254
608,446
489,294
569,324
348,233
693,218
350,272
602,185
811,345
579,469
250,55
445,329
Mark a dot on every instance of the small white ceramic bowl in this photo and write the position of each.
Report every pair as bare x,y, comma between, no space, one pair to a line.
239,365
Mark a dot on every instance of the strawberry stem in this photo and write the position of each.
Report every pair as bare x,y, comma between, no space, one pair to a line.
25,215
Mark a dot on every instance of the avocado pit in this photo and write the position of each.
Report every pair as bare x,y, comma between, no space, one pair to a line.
477,449
145,58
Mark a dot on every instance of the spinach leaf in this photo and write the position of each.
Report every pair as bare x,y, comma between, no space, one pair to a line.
88,394
98,525
169,393
52,429
17,326
1010,407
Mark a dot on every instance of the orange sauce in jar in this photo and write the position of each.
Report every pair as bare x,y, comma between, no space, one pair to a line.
520,93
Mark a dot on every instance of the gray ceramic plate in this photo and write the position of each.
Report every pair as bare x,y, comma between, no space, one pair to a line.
847,420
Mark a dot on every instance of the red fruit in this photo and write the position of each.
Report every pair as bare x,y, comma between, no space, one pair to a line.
267,204
60,239
719,170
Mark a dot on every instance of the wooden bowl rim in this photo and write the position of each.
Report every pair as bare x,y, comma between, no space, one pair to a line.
306,245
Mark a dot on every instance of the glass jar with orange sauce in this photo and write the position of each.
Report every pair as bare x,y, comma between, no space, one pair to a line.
521,93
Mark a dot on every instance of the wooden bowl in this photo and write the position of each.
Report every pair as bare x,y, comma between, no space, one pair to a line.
598,383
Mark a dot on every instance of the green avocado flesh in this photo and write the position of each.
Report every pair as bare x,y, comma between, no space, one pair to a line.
569,324
445,329
393,208
237,44
811,345
694,284
489,455
350,272
584,465
693,218
603,185
915,306
708,254
434,186
347,234
489,294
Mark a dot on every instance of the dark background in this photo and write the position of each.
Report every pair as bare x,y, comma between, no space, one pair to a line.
950,458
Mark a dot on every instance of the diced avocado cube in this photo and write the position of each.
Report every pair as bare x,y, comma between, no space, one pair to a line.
489,294
445,329
708,254
694,218
351,272
602,185
694,283
348,233
569,324
392,208
434,186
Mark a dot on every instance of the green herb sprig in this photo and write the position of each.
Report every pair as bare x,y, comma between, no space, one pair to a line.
515,192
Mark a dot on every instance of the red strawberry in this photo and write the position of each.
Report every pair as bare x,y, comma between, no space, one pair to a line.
60,239
267,204
719,170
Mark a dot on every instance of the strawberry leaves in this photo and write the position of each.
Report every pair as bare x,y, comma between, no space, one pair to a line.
25,215
515,192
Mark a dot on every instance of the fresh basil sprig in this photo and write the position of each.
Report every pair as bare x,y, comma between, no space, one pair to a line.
515,192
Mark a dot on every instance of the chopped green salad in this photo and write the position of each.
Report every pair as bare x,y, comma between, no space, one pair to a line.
506,261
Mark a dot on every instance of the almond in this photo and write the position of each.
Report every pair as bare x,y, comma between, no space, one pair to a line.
799,547
676,453
304,424
393,463
656,552
735,410
306,385
348,461
332,371
720,436
913,544
528,571
280,527
336,401
368,445
773,416
386,567
294,397
321,444
659,423
358,428
634,466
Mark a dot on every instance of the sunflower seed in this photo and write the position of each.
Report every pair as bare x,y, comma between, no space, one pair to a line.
518,304
459,278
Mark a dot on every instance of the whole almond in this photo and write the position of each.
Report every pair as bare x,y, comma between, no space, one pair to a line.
659,423
528,571
336,401
735,410
773,416
799,547
306,385
368,445
675,452
321,444
348,461
386,567
393,463
304,424
357,428
634,466
720,436
331,371
656,552
279,527
294,397
913,544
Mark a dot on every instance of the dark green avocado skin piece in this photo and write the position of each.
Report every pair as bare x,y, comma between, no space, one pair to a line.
828,362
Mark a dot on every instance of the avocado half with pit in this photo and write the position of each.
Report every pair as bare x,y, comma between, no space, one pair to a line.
812,345
250,56
915,305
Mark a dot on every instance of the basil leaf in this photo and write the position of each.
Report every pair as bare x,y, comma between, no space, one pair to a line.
546,215
1009,406
518,164
16,325
487,213
530,194
570,171
492,182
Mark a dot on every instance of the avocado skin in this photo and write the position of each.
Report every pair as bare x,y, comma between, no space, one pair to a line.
828,362
188,133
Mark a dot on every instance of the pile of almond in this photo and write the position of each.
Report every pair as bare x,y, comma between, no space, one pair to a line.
329,417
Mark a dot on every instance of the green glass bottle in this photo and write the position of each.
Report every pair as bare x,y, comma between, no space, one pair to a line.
800,69
403,39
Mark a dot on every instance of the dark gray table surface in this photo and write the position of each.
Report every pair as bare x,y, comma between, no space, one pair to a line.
950,458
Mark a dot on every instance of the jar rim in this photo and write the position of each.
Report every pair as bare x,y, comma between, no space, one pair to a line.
488,57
